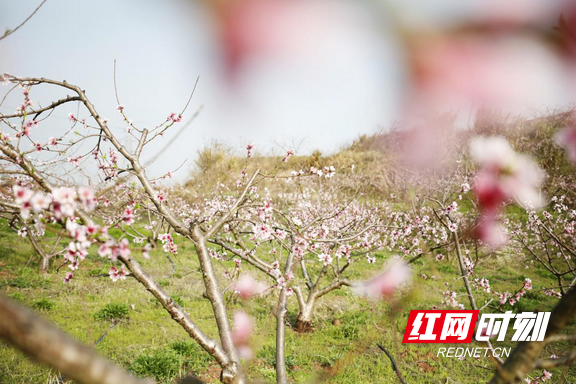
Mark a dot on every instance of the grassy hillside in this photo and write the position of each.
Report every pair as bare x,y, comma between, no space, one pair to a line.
377,158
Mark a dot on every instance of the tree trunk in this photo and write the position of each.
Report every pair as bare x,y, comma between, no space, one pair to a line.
214,294
44,264
464,272
231,370
304,320
281,377
281,312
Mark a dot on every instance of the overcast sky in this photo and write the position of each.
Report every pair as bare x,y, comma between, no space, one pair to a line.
350,86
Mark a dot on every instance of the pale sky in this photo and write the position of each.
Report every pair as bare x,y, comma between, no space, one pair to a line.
351,85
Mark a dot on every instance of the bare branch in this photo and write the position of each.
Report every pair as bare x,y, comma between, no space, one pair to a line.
39,111
11,31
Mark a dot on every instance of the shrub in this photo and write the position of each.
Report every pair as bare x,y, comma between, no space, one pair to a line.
43,304
113,311
163,365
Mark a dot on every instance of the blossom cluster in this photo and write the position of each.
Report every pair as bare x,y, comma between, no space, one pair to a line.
62,205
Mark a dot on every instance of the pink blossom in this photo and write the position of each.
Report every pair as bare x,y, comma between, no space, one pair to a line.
68,277
40,202
243,327
21,194
146,250
289,154
326,258
74,265
92,229
262,232
174,118
86,196
75,160
22,197
168,243
116,274
64,202
122,249
247,286
105,249
490,232
460,69
504,174
128,216
395,274
249,148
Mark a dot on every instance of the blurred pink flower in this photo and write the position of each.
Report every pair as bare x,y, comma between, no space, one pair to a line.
267,28
504,174
396,273
498,71
490,232
243,327
247,286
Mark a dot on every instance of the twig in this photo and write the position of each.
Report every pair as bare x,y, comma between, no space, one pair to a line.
62,378
552,363
11,31
393,363
173,266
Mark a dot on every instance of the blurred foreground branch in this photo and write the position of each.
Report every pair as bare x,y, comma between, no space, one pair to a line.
524,358
43,342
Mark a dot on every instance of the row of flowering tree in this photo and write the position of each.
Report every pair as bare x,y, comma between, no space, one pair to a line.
315,228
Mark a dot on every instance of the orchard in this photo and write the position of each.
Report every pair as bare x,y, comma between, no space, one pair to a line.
121,262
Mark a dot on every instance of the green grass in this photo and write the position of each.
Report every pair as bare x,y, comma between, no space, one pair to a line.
150,343
43,304
163,365
113,311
